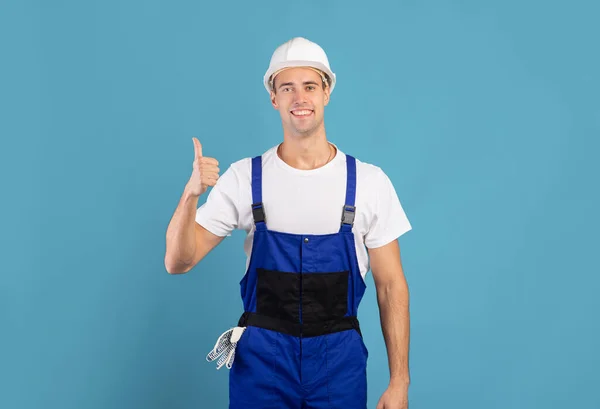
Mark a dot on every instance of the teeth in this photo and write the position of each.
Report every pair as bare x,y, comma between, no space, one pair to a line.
300,113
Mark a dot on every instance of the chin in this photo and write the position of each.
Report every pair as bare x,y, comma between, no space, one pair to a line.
305,131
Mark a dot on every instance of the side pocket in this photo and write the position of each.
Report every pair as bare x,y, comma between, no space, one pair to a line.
361,343
242,342
240,363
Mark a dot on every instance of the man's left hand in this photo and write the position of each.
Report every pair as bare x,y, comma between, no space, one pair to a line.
395,397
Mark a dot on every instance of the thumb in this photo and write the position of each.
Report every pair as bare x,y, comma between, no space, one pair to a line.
197,147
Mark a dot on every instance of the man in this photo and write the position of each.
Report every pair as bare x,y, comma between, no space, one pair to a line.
316,220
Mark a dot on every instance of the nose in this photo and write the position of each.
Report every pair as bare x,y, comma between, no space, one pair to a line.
300,96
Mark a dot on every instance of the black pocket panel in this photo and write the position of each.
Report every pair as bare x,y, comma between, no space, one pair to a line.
324,296
278,295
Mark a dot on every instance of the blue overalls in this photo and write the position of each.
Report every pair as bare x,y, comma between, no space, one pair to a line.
301,345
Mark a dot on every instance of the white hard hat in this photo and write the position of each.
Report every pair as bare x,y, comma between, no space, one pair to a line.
299,52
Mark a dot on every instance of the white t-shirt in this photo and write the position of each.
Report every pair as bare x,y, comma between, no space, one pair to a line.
306,202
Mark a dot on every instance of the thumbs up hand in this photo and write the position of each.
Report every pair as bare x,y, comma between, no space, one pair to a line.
205,171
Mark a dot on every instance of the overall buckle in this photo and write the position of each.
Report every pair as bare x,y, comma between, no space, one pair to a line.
258,212
348,215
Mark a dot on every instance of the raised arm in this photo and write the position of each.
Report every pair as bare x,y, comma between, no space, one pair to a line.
187,242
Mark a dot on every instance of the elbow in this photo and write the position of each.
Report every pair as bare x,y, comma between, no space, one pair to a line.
395,289
174,268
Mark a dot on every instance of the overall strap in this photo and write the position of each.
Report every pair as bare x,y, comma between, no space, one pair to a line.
258,211
349,208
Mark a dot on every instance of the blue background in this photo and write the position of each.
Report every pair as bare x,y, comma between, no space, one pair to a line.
484,114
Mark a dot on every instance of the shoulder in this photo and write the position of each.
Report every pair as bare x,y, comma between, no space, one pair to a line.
241,167
373,184
369,174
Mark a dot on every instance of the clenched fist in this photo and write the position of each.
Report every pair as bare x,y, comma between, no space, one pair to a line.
205,171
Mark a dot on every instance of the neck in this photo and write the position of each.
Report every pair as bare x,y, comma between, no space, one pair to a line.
306,153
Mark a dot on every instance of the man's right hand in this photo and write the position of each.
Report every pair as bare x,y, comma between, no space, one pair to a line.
205,171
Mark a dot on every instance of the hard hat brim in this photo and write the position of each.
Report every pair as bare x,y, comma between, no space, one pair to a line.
298,63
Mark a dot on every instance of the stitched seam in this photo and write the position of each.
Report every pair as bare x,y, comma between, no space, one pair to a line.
327,369
274,358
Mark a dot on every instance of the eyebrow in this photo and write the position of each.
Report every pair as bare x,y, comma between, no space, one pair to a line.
311,82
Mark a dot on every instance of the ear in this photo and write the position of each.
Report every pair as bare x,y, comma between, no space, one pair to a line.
326,93
274,101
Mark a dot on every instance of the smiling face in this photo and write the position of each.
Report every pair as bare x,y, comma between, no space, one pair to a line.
300,98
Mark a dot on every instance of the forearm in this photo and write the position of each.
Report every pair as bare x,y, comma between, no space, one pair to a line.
393,302
181,235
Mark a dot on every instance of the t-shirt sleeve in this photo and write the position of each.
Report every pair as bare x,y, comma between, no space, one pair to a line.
389,221
219,214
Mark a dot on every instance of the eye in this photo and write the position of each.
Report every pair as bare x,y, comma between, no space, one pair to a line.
311,87
286,89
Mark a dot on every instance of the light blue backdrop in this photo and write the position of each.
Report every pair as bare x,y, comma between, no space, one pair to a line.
484,114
